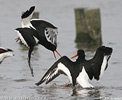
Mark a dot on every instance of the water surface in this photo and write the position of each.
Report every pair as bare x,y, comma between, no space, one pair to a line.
15,78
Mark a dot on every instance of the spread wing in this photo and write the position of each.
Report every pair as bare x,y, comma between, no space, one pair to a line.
46,30
56,69
96,67
28,36
51,35
26,17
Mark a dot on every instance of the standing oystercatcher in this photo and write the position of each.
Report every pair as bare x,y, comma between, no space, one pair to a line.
37,31
81,70
4,53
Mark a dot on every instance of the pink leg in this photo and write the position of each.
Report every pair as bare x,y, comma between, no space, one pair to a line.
66,84
17,39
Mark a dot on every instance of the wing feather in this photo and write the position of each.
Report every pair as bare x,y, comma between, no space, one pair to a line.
46,30
51,35
56,69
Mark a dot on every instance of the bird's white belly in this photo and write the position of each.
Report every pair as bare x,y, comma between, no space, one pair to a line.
83,79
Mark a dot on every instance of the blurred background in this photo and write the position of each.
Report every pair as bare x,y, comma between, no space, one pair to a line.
15,77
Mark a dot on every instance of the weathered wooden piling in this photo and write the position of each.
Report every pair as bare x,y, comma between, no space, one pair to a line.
88,26
35,15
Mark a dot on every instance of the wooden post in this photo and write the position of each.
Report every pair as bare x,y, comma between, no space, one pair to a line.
35,15
88,26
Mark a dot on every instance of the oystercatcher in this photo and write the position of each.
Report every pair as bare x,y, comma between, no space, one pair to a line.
4,53
40,31
81,70
47,33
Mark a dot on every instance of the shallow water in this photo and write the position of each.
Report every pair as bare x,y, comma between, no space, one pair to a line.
15,78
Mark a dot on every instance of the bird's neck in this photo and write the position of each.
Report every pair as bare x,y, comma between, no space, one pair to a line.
80,59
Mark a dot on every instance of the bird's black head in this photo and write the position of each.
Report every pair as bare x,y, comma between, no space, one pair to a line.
80,54
51,47
105,50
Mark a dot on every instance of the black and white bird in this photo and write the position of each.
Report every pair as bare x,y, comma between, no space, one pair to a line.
82,70
29,38
4,53
37,31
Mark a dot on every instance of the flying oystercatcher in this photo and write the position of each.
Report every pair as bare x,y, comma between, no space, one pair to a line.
4,53
37,32
81,70
47,32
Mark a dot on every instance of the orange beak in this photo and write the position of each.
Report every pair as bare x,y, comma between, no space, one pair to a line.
57,53
74,56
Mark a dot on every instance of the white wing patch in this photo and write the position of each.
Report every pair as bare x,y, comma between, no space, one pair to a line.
22,39
63,68
103,65
83,78
36,39
56,70
51,35
26,21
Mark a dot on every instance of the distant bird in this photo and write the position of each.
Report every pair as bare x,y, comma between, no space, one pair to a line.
81,70
4,53
37,32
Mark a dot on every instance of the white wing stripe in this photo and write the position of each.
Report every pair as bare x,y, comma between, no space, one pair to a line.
103,65
22,39
36,39
65,70
61,67
50,35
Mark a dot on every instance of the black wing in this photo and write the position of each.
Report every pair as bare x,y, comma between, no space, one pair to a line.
46,30
28,38
55,70
93,67
28,35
